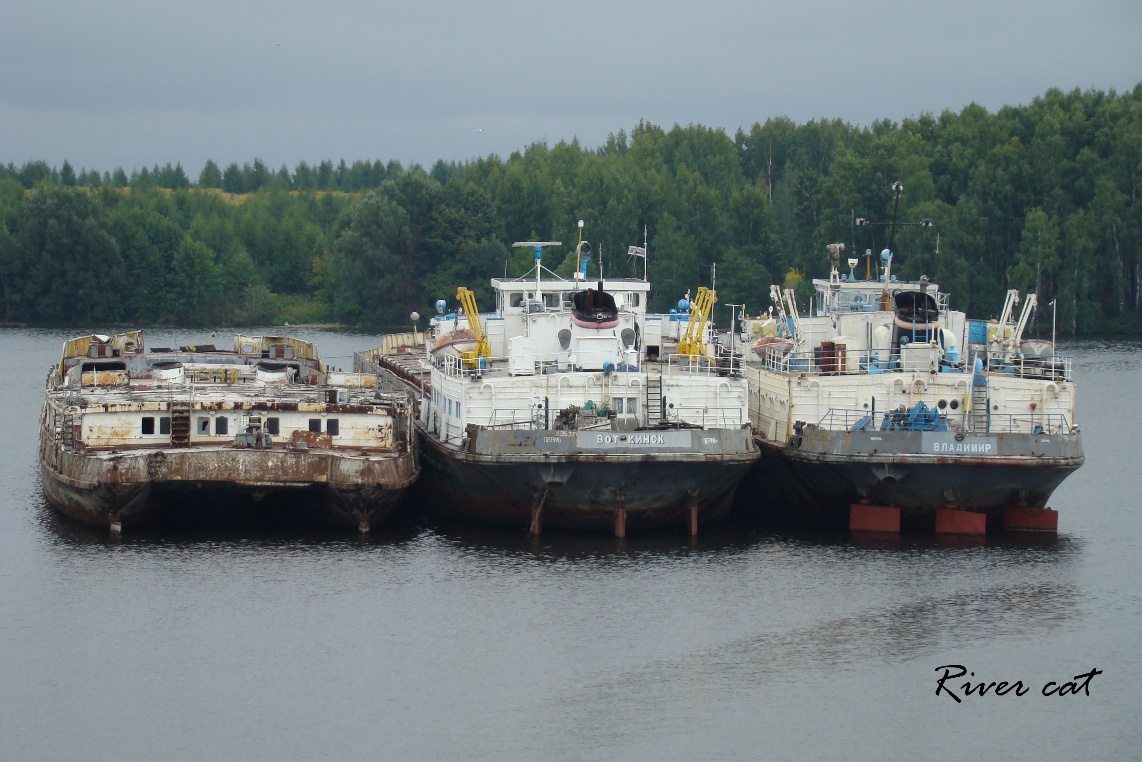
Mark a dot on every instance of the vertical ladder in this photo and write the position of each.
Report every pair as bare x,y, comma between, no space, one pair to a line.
653,398
980,415
180,423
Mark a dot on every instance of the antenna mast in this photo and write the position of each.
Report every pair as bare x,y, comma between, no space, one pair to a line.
537,247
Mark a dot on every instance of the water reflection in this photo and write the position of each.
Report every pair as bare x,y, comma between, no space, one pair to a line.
769,661
222,521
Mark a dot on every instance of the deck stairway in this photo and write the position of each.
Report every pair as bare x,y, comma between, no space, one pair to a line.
180,423
728,362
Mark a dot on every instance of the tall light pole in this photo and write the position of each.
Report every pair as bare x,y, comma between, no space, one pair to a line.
1054,309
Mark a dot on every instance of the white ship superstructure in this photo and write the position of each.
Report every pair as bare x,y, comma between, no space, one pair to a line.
567,407
885,396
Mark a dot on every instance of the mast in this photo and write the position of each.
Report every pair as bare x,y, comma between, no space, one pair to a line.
885,301
582,251
645,253
640,251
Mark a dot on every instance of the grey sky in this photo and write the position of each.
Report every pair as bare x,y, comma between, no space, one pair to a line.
115,82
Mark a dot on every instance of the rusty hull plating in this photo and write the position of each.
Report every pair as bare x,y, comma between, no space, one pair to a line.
121,426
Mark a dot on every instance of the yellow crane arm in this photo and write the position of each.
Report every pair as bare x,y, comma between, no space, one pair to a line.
467,300
691,343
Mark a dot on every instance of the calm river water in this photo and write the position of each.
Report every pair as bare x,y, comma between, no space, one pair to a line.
259,637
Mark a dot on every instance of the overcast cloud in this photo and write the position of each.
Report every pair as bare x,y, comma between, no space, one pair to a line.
117,83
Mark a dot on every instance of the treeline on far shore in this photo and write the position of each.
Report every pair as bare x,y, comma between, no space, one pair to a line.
1042,197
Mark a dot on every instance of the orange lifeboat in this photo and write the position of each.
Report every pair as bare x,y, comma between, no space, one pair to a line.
774,347
458,342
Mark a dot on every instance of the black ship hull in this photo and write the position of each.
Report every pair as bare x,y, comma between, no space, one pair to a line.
817,479
507,477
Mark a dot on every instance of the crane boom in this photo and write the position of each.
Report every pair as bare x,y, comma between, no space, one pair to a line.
1030,302
467,300
691,344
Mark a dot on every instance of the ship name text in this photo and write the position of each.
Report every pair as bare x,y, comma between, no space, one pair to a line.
977,448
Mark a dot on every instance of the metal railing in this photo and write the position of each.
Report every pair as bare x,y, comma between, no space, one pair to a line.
697,365
1054,368
841,419
545,363
709,417
695,415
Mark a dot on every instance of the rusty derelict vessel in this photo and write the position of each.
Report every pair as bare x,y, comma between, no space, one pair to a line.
887,409
565,408
122,425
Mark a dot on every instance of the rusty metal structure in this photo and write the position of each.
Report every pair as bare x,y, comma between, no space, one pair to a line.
123,425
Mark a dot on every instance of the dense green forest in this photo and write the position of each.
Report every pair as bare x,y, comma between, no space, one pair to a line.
1042,197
